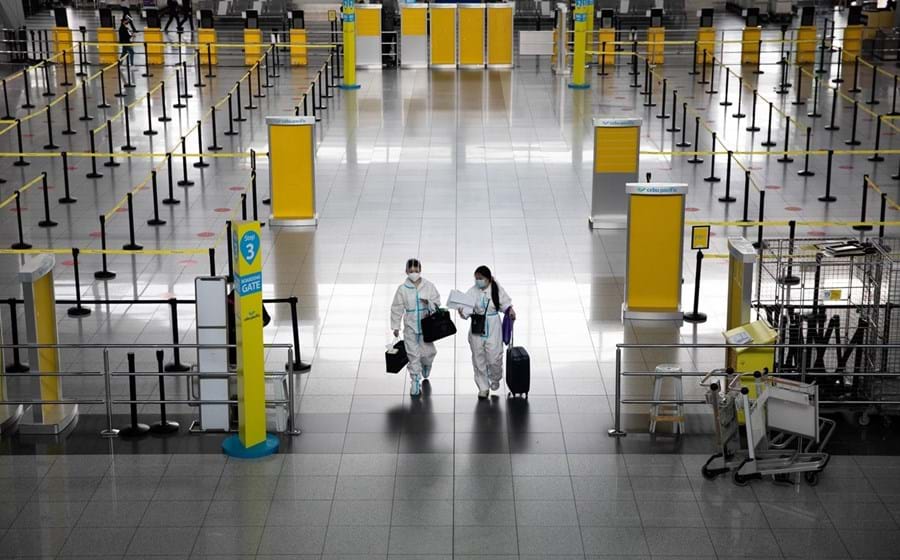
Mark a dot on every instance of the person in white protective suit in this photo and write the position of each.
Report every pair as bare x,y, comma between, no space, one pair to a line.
415,299
486,331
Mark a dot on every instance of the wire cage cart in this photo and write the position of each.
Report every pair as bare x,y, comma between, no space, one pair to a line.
784,433
819,293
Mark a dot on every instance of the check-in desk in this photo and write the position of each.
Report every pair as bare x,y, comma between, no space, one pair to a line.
368,36
414,35
471,35
500,35
442,33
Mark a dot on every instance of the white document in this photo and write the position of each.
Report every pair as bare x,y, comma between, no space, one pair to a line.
461,301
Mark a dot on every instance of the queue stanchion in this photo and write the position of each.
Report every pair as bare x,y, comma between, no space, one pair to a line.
66,109
894,112
853,140
231,131
67,197
132,245
237,90
726,103
164,426
147,73
876,157
753,127
198,70
806,171
176,366
896,176
250,106
78,310
93,173
104,273
184,181
703,81
684,142
128,147
693,71
855,88
324,106
185,92
16,366
209,64
740,114
135,429
129,82
831,125
259,94
882,216
760,244
268,85
768,143
863,205
47,91
27,89
662,102
244,206
712,162
299,365
305,111
840,62
82,59
253,194
109,139
230,251
65,67
828,197
149,131
646,89
315,105
214,147
20,244
47,222
648,92
121,92
789,278
84,115
785,157
20,162
695,316
170,200
603,71
799,100
155,220
782,88
212,261
674,126
696,158
8,116
50,145
872,100
328,84
162,101
200,164
814,114
103,104
728,198
179,103
745,213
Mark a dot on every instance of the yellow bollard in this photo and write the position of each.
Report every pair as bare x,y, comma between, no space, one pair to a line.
348,16
579,60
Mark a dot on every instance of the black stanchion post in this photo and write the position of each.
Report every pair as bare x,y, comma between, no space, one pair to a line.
882,215
872,100
164,426
214,147
50,145
758,69
82,59
259,94
648,90
231,131
827,197
759,243
814,113
862,209
244,206
93,174
128,147
240,117
684,143
299,365
179,104
135,429
768,143
129,83
78,310
198,70
200,163
185,92
65,67
712,162
753,127
184,182
728,198
229,250
806,171
799,99
175,365
104,273
212,261
16,366
876,156
840,62
894,112
695,316
27,88
783,86
855,88
162,100
834,100
789,279
693,71
103,104
785,158
740,113
662,102
602,71
20,162
131,245
170,200
726,103
67,196
250,106
253,194
744,215
209,64
674,126
121,92
696,157
47,222
47,91
20,244
149,131
703,81
68,131
7,116
109,139
147,73
155,220
853,141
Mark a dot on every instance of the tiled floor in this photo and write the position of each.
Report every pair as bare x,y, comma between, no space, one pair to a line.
460,169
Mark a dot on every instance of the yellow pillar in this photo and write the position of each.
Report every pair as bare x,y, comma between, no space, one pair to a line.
252,46
251,440
706,39
750,45
107,45
579,60
292,173
153,37
348,17
806,44
656,49
207,39
298,47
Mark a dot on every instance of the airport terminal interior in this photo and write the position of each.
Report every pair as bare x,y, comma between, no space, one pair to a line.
688,208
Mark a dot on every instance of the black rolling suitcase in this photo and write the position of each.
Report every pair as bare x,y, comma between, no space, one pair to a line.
518,371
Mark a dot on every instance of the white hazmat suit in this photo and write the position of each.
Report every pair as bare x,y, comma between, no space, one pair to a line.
413,303
487,348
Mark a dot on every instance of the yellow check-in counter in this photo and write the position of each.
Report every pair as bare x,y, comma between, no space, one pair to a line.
471,35
62,41
806,44
298,47
656,47
106,45
292,172
207,39
750,45
706,40
442,31
414,36
368,36
252,46
500,35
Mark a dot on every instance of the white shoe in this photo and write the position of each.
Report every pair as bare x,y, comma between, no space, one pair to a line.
426,371
483,394
415,388
495,386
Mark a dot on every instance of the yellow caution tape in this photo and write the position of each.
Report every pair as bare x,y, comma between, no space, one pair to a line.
10,199
55,251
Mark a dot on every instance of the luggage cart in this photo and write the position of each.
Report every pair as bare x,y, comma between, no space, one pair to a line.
721,398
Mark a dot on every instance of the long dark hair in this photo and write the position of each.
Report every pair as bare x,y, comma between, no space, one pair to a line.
495,288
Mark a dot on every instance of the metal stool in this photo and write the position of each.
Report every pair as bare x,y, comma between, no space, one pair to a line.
673,413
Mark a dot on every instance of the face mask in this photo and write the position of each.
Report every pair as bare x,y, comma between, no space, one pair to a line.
413,276
481,283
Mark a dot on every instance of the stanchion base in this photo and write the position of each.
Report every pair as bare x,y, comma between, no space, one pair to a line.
20,246
726,103
136,430
179,106
727,199
164,119
893,114
185,183
852,142
814,115
759,246
255,107
233,447
28,106
156,222
146,75
837,81
876,158
150,132
578,86
176,367
649,104
267,201
896,177
854,90
165,428
78,311
683,145
21,163
785,159
50,146
128,148
798,102
231,133
738,115
832,127
695,160
104,275
215,148
695,317
767,144
872,102
17,368
664,116
828,198
752,129
712,179
85,119
789,280
201,164
239,119
712,92
68,132
112,164
349,86
806,173
47,223
862,228
299,367
673,129
171,201
132,247
615,433
104,106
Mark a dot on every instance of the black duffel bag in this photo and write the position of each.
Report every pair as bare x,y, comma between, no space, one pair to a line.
396,359
438,325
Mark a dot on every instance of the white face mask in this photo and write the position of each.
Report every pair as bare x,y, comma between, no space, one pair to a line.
413,276
481,283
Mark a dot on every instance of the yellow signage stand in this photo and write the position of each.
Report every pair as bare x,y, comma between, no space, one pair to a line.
155,45
298,47
348,17
706,40
617,143
806,44
292,172
252,46
583,9
750,45
471,35
36,276
208,37
62,41
654,251
656,49
741,258
500,35
443,35
107,47
252,441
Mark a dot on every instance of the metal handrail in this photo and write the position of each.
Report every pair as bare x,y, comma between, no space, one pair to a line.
617,431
